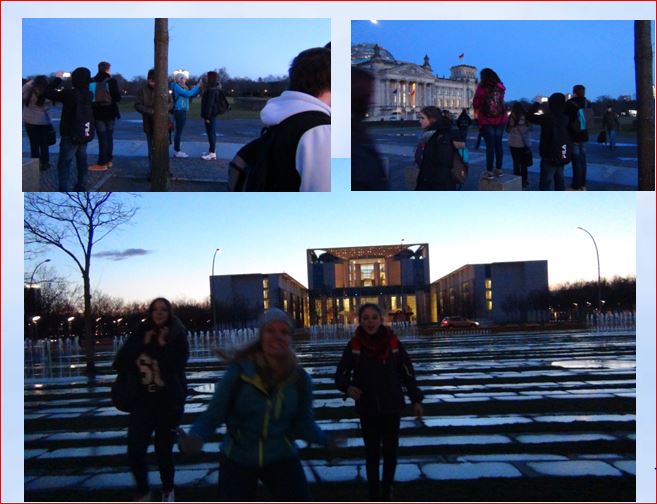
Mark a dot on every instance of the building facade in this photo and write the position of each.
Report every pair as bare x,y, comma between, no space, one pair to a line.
504,292
396,277
402,89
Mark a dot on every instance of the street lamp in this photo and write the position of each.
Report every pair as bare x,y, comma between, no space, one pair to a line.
35,270
214,314
597,256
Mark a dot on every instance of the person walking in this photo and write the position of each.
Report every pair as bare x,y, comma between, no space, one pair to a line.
158,351
519,131
213,102
265,400
38,125
463,123
181,95
374,370
581,117
488,103
610,124
434,152
105,98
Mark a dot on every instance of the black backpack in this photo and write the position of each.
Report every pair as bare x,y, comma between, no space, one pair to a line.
561,145
268,163
82,124
493,105
222,103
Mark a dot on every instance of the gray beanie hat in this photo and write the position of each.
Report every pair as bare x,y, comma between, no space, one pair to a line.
273,315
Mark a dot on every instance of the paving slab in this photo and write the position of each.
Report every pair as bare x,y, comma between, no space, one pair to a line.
574,468
468,471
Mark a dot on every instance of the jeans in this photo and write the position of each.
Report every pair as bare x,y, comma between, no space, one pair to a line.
493,138
149,146
381,436
38,136
551,173
105,132
210,129
579,165
284,479
519,167
68,152
611,138
179,119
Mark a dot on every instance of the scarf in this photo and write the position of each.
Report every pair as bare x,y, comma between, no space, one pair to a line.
377,344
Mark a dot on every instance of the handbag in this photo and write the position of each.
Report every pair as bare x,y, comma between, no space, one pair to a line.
526,157
51,136
459,171
124,390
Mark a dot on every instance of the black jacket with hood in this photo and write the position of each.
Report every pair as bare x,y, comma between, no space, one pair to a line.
438,156
556,112
69,97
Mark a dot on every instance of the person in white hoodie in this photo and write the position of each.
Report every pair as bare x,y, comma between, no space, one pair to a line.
302,115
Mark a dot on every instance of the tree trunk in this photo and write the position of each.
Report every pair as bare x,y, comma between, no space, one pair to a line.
643,58
160,173
89,338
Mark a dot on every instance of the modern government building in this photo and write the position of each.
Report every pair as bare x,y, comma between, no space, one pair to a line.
394,276
402,89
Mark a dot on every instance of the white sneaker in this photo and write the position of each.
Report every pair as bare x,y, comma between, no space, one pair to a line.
168,497
209,156
488,175
180,154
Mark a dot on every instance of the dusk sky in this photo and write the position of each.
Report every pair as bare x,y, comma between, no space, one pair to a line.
269,233
245,47
531,57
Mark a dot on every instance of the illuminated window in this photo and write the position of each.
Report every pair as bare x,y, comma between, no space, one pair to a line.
488,283
265,283
266,304
346,304
285,305
489,295
489,305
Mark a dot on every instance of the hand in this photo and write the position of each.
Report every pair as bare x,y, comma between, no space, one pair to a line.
59,74
354,392
189,444
162,336
418,411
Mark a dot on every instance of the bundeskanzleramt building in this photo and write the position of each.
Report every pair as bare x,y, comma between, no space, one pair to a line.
402,89
396,277
501,292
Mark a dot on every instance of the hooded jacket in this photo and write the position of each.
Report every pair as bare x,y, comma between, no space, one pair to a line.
210,102
436,158
182,95
80,81
313,153
556,112
478,103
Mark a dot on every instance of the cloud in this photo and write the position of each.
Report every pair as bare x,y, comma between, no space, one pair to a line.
120,255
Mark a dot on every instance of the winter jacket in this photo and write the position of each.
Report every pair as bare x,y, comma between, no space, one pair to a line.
437,158
144,105
463,121
111,111
367,170
610,121
382,383
162,367
182,95
33,113
313,152
519,132
478,104
572,107
556,112
210,102
68,97
261,424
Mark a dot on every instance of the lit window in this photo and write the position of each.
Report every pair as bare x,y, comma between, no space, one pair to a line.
489,305
266,304
265,283
488,283
489,295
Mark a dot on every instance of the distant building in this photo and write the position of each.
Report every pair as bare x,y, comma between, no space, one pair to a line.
402,89
504,292
396,277
238,300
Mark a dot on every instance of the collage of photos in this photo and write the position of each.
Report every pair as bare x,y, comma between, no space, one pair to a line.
397,337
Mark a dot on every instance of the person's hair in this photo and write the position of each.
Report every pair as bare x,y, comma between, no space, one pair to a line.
518,110
432,113
579,90
488,77
365,306
212,78
362,85
151,308
103,66
151,74
310,71
39,84
464,111
179,77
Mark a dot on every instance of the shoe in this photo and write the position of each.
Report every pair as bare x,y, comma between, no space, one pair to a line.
180,154
98,167
147,497
498,173
488,175
168,496
209,156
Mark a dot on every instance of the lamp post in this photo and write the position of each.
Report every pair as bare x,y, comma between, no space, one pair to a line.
597,256
401,281
35,270
214,312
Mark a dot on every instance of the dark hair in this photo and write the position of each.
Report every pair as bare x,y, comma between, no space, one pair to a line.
362,85
151,74
579,90
39,84
103,66
365,306
489,77
310,71
151,307
212,78
518,109
432,113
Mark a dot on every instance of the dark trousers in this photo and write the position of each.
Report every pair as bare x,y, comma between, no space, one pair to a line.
284,479
149,146
381,436
179,119
210,129
105,132
493,138
519,167
147,418
38,136
551,174
69,153
579,165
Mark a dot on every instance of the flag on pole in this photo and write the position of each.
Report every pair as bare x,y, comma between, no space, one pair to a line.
462,55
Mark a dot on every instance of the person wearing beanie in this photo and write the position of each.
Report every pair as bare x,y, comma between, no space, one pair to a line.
265,400
373,371
181,96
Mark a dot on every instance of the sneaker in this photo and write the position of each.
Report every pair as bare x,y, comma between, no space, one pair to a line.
98,167
209,156
488,175
498,173
180,154
168,496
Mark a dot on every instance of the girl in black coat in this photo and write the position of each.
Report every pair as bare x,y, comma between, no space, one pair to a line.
158,352
434,152
374,371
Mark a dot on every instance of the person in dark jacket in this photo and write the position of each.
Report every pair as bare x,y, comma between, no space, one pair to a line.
463,123
106,96
434,152
36,119
611,124
551,172
68,150
374,370
367,169
158,351
210,106
265,400
580,134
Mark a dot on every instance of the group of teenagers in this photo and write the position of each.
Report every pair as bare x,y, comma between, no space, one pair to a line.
265,401
564,133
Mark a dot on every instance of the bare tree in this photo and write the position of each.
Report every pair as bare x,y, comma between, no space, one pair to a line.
646,104
74,223
160,173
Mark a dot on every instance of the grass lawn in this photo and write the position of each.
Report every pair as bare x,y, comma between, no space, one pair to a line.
127,104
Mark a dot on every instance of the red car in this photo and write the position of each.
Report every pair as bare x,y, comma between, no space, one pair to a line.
458,321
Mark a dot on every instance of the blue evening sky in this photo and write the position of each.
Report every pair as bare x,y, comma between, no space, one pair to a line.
246,47
269,233
531,57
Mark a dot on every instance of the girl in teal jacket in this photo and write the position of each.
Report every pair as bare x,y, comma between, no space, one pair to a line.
181,96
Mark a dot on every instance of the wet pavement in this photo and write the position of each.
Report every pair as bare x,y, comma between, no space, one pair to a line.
545,416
